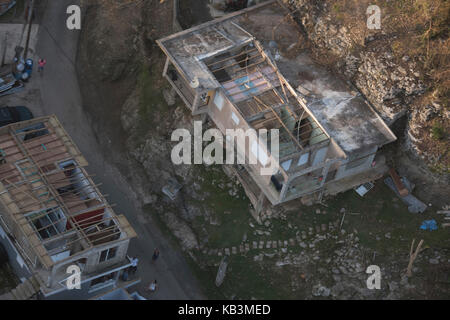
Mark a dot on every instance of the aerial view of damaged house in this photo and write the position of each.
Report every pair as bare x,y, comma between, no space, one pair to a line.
54,216
247,70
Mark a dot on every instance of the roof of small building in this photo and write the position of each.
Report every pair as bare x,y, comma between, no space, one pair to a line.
47,193
189,48
344,114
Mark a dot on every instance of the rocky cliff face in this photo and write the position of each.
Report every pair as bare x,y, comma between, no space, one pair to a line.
396,81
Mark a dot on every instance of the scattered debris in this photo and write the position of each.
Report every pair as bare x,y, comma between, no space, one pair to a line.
402,190
413,256
363,189
320,291
342,221
429,225
414,204
171,190
222,271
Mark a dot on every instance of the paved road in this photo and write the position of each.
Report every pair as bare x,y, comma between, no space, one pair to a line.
60,95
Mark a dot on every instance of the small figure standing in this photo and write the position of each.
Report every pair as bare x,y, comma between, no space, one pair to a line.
41,65
134,263
153,286
125,275
155,255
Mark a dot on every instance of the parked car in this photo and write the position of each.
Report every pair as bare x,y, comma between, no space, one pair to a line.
10,115
3,256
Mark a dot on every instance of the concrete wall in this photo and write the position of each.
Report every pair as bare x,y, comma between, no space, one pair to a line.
87,291
93,265
15,259
366,158
226,116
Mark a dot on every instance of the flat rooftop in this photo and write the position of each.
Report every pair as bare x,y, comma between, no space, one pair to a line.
222,54
48,194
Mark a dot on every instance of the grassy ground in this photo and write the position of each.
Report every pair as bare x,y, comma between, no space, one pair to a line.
152,100
231,212
383,223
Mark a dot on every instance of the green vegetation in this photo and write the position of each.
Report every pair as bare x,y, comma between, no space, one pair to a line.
231,212
151,99
437,132
382,221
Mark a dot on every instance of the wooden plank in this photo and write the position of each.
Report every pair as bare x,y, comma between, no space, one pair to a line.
45,147
125,226
71,146
6,144
30,144
61,157
398,183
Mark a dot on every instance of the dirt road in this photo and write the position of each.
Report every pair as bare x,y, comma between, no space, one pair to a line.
60,95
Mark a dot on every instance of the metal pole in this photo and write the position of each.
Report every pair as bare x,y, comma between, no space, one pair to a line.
5,40
30,17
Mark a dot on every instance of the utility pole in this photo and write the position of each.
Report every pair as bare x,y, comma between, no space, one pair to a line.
30,18
5,41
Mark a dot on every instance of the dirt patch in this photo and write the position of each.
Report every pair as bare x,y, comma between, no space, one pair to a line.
108,65
193,12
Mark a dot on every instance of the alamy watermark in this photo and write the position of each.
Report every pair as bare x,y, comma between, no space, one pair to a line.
73,22
374,280
74,280
252,147
374,19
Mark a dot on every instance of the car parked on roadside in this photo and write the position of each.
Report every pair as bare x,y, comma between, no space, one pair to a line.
10,115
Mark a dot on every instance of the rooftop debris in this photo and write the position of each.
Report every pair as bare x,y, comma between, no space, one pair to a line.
363,189
414,204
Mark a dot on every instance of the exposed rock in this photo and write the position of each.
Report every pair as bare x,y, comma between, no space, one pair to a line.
320,291
434,261
392,84
130,111
170,96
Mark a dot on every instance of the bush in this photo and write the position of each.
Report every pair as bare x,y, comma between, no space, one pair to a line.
437,132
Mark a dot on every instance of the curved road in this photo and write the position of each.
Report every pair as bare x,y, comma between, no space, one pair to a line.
60,95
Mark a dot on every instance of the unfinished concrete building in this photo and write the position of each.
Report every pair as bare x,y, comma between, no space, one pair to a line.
54,216
248,70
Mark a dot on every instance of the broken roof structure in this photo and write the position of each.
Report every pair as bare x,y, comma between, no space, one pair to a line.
53,207
252,60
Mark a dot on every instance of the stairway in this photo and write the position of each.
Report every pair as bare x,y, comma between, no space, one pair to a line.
27,289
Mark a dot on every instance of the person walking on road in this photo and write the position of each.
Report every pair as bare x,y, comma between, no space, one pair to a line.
153,286
155,255
133,267
41,65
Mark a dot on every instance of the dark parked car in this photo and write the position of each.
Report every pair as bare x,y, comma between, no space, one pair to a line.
10,115
3,256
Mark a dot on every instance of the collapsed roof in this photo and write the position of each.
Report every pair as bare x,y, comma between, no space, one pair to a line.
252,56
